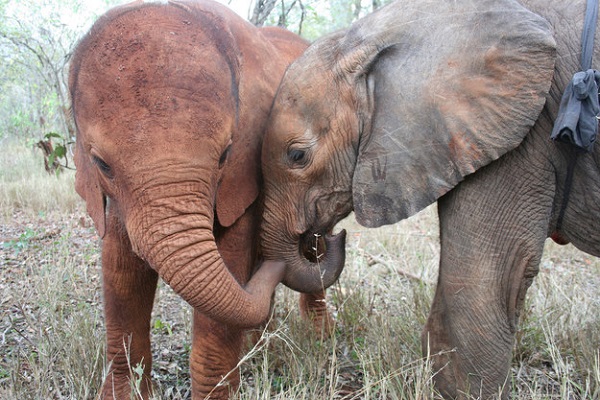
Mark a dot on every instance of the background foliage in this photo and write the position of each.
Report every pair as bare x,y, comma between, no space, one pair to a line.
36,41
37,38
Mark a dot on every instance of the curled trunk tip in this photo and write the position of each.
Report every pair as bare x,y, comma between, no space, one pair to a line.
305,276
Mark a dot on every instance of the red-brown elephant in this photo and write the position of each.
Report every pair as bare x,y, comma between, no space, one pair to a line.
451,100
170,102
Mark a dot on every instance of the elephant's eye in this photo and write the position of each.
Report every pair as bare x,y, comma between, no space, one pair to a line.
224,156
297,157
103,166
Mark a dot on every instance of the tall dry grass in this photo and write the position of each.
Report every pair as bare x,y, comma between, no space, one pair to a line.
25,185
51,326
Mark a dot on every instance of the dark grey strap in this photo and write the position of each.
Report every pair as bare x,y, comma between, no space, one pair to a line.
577,121
587,36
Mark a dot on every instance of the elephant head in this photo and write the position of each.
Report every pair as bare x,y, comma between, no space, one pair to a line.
168,146
385,117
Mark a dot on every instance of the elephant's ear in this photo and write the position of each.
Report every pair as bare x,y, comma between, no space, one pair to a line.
266,56
88,187
239,185
451,86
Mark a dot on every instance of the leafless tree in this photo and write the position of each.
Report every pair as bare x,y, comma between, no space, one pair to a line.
262,10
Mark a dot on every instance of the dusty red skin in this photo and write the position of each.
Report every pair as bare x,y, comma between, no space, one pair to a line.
170,102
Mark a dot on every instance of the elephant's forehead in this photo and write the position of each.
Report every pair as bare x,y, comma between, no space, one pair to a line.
285,127
139,127
112,139
134,100
152,89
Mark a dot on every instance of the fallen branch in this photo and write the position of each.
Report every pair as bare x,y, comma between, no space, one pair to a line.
373,260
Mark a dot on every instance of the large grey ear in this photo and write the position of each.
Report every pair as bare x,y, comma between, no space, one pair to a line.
452,86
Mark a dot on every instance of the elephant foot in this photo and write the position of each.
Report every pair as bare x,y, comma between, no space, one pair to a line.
435,346
313,308
125,386
224,390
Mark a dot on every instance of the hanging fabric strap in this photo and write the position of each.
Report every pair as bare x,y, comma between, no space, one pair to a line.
577,120
587,37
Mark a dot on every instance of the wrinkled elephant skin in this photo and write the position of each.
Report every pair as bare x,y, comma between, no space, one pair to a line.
452,101
170,102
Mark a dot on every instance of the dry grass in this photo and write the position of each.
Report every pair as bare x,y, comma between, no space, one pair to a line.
51,332
26,186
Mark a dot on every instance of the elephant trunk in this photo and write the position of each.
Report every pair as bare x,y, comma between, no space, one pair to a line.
175,236
313,262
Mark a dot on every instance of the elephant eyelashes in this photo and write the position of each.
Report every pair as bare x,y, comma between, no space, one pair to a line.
297,157
224,156
103,166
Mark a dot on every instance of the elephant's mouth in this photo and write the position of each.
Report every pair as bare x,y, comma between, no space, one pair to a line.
318,262
315,241
313,245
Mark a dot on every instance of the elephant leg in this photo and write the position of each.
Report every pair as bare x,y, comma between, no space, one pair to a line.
129,287
490,253
216,350
313,308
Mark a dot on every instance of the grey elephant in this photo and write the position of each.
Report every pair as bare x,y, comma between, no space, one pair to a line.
448,101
